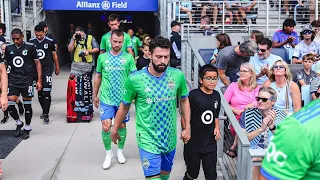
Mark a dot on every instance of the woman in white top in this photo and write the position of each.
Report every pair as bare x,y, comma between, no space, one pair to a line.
288,93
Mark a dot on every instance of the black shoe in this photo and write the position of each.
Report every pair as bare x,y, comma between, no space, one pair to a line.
46,118
4,120
21,110
41,116
17,133
26,134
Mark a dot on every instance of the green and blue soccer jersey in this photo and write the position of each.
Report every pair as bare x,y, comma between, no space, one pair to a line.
114,71
106,44
294,152
155,101
136,44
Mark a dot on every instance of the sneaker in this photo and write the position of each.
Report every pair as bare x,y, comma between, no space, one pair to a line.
121,158
107,162
4,120
46,118
41,116
17,133
21,110
26,134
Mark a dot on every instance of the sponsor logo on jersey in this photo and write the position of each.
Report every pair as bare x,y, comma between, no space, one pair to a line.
45,46
207,117
114,68
25,52
40,53
275,155
162,99
18,61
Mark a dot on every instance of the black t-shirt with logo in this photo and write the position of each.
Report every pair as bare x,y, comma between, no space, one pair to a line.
21,66
44,51
204,109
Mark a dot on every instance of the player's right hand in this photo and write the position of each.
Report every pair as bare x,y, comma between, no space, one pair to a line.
115,136
39,86
4,103
96,102
106,125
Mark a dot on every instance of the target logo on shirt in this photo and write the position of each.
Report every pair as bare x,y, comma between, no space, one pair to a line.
207,117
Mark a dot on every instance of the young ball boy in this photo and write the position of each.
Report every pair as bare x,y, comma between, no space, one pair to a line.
145,59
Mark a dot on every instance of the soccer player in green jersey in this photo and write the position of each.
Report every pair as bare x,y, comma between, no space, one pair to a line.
105,45
154,90
136,43
112,70
294,151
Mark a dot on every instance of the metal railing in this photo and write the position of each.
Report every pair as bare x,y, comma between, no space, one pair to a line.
266,16
240,167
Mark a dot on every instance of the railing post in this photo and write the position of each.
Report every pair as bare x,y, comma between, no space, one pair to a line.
188,63
223,15
195,72
317,10
184,58
7,16
169,16
2,11
267,34
279,13
24,19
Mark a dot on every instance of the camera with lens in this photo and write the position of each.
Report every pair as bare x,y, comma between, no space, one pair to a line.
82,54
78,37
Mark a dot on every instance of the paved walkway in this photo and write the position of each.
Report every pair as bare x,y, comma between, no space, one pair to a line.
62,151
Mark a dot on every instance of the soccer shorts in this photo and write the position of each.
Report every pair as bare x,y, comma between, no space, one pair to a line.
109,112
153,164
26,92
47,83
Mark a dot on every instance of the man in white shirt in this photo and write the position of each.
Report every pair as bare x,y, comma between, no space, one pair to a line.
263,60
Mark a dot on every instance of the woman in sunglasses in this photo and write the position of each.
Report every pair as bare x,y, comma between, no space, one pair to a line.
288,93
260,123
241,96
306,46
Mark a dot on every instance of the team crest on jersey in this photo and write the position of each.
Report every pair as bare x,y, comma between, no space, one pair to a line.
123,61
25,52
45,46
11,52
171,84
145,163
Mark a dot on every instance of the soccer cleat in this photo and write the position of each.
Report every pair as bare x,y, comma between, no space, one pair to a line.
46,118
17,133
4,120
107,162
121,158
26,134
21,110
41,116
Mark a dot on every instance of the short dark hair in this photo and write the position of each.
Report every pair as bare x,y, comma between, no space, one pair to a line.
16,31
224,40
266,41
78,28
289,22
258,35
207,68
3,27
39,28
308,57
315,23
118,33
113,17
144,45
43,23
159,41
175,23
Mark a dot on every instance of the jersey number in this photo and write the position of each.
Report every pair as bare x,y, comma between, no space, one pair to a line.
49,79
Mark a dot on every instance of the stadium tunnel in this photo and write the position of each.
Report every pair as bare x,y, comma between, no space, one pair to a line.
60,13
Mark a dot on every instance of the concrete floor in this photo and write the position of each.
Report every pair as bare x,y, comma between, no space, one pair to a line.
63,151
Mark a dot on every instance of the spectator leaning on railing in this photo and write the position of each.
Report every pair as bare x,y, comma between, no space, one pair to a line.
205,22
288,93
306,46
260,123
230,59
223,40
286,37
263,60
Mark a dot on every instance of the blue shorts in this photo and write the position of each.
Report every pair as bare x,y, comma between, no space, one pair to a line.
109,112
153,164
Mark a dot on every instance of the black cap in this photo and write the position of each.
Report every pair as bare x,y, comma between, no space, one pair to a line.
175,23
43,23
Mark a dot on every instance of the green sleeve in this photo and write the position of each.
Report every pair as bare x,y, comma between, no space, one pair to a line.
128,41
103,43
139,42
129,92
132,65
289,155
183,90
99,65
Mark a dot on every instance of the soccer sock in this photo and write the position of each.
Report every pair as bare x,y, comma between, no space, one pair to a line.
6,113
20,104
165,177
40,98
28,113
106,138
46,102
123,135
13,111
156,178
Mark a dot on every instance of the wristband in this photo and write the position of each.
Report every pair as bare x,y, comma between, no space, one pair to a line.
274,128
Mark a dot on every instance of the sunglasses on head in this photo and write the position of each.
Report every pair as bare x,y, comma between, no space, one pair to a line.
263,99
278,67
307,32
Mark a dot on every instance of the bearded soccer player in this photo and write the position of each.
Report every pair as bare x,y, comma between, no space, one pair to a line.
47,54
23,66
155,89
294,151
114,24
112,70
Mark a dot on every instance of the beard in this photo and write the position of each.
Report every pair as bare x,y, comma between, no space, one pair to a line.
116,49
160,68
